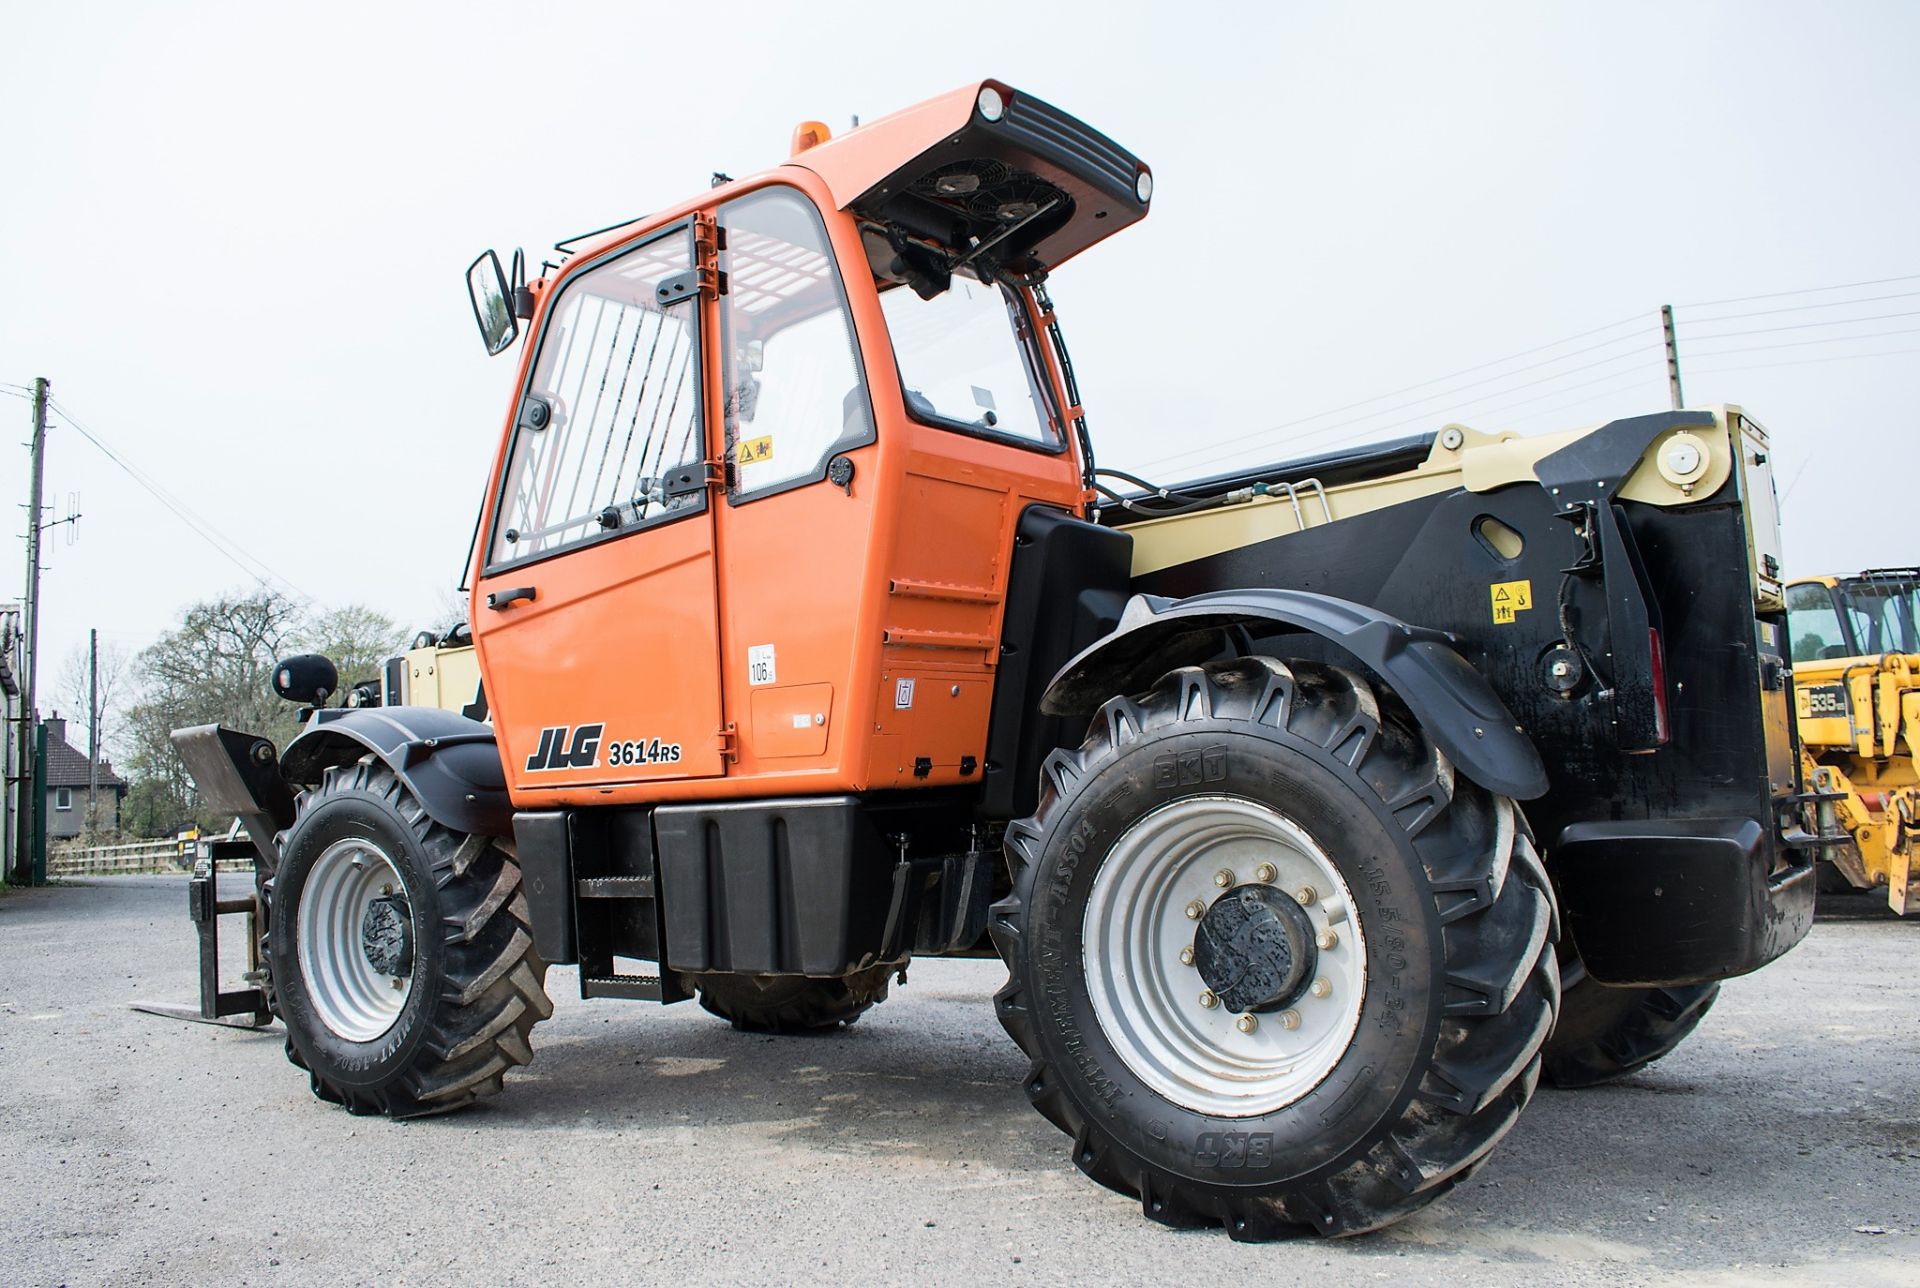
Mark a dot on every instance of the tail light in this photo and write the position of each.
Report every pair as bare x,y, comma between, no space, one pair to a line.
1657,667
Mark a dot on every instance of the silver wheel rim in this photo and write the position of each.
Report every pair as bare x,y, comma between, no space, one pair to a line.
354,1000
1148,1001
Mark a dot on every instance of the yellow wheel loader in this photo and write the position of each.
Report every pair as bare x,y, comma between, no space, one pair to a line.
1856,687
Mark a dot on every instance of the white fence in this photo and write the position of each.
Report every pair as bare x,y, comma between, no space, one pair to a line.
119,860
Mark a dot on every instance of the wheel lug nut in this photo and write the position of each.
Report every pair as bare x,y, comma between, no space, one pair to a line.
1186,955
1223,878
1194,910
1305,896
386,889
1321,987
1266,874
1207,999
398,982
1328,938
1289,1019
1246,1024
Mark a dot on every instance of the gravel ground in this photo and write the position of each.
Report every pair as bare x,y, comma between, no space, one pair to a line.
643,1145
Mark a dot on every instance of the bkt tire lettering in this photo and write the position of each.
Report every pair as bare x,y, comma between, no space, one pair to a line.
555,752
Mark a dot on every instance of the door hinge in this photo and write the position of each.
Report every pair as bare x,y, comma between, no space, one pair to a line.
709,239
730,742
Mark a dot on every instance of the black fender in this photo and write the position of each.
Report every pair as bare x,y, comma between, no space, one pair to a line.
450,763
1452,701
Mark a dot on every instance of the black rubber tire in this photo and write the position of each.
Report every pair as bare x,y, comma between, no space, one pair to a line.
1459,921
1607,1033
478,988
791,1004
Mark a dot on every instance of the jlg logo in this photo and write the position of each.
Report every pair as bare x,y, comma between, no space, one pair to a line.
556,753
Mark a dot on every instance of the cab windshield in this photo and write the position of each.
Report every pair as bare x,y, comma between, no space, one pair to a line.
968,361
1881,613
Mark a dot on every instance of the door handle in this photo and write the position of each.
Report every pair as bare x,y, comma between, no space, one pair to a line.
500,599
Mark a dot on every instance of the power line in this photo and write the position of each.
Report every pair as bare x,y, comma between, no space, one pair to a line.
1427,400
1805,290
1795,344
1803,308
1802,362
1478,411
1394,393
225,545
1809,326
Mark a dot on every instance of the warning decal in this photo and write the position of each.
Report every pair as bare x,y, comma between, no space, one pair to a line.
1510,597
754,451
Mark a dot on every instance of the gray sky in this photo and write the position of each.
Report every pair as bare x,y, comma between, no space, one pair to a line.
233,237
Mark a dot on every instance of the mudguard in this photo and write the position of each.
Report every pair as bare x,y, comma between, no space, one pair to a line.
1452,701
450,763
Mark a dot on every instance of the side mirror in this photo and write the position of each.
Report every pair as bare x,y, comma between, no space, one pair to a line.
309,679
492,310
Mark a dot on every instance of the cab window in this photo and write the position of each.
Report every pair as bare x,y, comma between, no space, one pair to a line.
968,361
1814,625
613,407
795,393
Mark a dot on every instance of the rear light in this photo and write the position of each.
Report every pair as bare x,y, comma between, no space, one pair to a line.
1657,655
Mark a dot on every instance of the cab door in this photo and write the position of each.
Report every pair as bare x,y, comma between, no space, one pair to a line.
595,610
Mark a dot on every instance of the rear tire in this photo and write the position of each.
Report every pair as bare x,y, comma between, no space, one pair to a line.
791,1004
417,1007
1445,898
1607,1033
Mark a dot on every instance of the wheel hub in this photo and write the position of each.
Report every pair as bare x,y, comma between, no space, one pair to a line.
386,936
1254,949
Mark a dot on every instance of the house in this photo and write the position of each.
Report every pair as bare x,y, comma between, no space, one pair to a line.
67,778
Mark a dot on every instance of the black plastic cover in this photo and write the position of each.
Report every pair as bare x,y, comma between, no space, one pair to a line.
1679,901
1066,588
546,879
793,887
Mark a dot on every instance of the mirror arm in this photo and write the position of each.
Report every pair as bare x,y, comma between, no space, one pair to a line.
522,296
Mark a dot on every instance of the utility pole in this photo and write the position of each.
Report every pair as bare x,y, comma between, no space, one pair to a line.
32,793
93,729
1673,356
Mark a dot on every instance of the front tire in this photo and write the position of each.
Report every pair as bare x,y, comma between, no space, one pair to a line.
402,961
1414,1054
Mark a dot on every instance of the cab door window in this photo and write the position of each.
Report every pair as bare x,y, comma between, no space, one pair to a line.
796,396
1814,625
612,409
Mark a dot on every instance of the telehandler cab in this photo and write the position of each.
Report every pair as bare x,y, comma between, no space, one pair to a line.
812,640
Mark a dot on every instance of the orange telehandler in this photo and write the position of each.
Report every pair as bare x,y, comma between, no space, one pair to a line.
812,639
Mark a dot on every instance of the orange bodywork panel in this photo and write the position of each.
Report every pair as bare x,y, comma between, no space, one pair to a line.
820,639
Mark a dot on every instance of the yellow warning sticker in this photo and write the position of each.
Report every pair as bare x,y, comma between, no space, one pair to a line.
1510,597
754,451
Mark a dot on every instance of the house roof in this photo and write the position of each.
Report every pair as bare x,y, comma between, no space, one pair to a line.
67,767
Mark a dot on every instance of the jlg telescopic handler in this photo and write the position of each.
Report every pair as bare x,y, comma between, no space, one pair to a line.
812,640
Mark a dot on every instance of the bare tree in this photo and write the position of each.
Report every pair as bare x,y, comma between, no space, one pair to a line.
116,665
216,667
355,637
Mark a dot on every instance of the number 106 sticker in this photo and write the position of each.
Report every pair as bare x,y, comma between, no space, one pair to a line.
760,669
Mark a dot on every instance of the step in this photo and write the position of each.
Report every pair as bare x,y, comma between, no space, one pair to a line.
640,887
643,988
